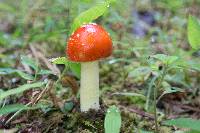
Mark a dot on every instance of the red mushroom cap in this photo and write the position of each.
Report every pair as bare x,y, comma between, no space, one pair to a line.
90,42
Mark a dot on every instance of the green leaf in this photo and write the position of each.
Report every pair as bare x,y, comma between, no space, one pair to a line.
74,67
60,60
129,94
141,71
112,123
169,90
6,7
184,123
192,131
15,107
68,106
20,89
30,62
5,71
194,65
44,71
193,32
165,59
24,75
172,90
89,15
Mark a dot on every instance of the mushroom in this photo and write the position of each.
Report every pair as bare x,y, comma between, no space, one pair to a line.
87,45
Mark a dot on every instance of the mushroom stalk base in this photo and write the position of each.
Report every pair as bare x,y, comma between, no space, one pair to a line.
89,90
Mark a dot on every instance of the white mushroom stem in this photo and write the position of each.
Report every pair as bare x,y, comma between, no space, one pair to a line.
89,90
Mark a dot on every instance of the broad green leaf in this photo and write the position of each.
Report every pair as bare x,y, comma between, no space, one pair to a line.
192,131
5,71
20,89
6,7
169,90
24,75
193,32
194,65
44,71
184,123
181,63
89,15
178,78
60,60
75,67
15,107
166,59
30,62
141,71
172,90
68,106
112,123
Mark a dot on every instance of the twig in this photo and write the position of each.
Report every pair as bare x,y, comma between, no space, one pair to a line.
48,87
138,111
184,106
16,113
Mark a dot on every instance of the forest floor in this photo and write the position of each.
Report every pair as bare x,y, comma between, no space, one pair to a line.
31,34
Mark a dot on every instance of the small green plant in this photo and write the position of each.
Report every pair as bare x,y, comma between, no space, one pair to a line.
112,122
162,70
159,67
166,64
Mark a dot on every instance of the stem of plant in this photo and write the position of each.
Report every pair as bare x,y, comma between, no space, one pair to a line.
61,75
155,96
155,109
89,90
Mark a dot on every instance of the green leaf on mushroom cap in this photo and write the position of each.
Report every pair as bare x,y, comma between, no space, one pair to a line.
89,15
84,18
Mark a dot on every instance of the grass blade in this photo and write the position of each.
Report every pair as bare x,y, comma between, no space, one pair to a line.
15,107
184,123
20,89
